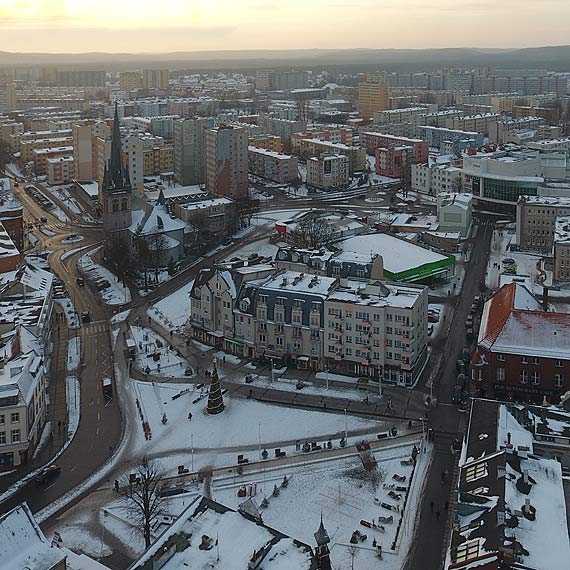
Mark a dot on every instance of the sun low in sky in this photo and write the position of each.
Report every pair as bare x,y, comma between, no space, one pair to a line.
173,25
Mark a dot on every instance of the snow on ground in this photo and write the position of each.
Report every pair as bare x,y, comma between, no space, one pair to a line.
117,293
120,317
47,232
73,398
71,239
69,311
62,193
75,250
242,426
526,263
40,260
173,311
78,535
73,354
263,248
32,239
442,311
229,358
59,214
271,216
456,280
43,439
14,169
344,494
149,344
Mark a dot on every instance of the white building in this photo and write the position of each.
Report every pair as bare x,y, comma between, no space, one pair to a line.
328,171
455,212
435,179
60,170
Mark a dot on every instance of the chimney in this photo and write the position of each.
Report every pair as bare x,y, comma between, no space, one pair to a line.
545,299
509,439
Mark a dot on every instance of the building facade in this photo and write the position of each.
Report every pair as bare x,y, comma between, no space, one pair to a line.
372,97
189,150
328,171
274,166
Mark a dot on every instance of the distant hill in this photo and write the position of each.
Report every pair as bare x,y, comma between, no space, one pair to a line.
554,57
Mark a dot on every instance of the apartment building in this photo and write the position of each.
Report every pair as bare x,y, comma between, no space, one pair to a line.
337,135
328,171
405,115
189,136
551,115
155,78
373,140
80,78
440,118
376,329
130,80
268,142
393,161
28,146
500,130
372,97
536,221
282,128
435,179
550,144
480,123
315,147
60,170
523,352
274,166
226,156
85,157
561,250
40,157
158,159
211,218
435,136
455,212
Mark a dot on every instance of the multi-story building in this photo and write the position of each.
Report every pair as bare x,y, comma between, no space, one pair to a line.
155,78
337,135
440,118
275,166
315,147
158,159
27,146
85,157
405,115
393,161
503,176
288,80
551,115
455,212
373,140
60,170
211,219
130,80
435,179
328,171
561,249
523,352
377,329
226,161
283,128
435,136
479,123
40,157
11,215
268,142
10,131
213,304
499,131
536,221
372,97
550,144
80,78
189,136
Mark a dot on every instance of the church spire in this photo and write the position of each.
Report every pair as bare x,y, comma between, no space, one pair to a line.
116,163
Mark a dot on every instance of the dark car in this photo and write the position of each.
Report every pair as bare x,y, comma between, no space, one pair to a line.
44,220
171,492
47,474
86,316
460,366
80,281
457,394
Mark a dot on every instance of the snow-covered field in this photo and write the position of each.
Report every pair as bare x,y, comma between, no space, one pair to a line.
116,293
148,344
241,428
173,311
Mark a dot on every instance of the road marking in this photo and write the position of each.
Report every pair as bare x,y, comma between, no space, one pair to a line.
97,432
74,468
48,488
98,416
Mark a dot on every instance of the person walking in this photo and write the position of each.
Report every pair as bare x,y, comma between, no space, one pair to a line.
189,416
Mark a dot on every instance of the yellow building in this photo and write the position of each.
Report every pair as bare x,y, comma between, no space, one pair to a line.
268,142
130,80
372,97
158,159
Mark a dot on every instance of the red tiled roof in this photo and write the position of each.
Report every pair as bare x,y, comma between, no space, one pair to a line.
499,309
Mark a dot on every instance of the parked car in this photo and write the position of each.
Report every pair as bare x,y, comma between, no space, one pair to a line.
86,316
47,474
80,281
470,333
469,321
508,261
460,366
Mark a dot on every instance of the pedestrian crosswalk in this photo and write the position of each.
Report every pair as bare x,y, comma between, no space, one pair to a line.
96,327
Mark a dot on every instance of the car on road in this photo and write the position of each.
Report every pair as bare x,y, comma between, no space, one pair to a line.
508,261
43,219
466,356
48,474
80,281
460,366
469,321
457,394
86,316
470,333
430,329
188,371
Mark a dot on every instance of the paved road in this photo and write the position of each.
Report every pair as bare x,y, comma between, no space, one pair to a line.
100,424
446,421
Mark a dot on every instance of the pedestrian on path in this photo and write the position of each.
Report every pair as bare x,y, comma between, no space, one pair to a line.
431,506
190,416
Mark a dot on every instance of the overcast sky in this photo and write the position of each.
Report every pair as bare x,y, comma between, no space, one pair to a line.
172,25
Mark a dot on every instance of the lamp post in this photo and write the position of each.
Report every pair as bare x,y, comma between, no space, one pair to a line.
345,426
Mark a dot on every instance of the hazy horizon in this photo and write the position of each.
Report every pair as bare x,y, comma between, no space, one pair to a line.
142,26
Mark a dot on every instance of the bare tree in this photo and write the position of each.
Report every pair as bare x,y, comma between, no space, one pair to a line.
157,245
312,232
141,494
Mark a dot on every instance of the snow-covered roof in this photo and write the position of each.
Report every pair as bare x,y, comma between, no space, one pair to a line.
562,230
158,220
23,544
398,255
300,282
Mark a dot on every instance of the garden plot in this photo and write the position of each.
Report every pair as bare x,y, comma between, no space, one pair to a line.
153,354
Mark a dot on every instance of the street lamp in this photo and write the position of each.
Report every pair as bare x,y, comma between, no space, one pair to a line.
380,372
345,426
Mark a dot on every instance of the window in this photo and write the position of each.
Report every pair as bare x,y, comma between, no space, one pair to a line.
15,417
15,436
535,377
501,357
261,338
279,341
535,360
2,438
524,376
349,351
500,374
559,364
524,359
559,380
2,419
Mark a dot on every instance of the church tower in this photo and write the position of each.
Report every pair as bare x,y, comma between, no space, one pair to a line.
116,192
322,551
